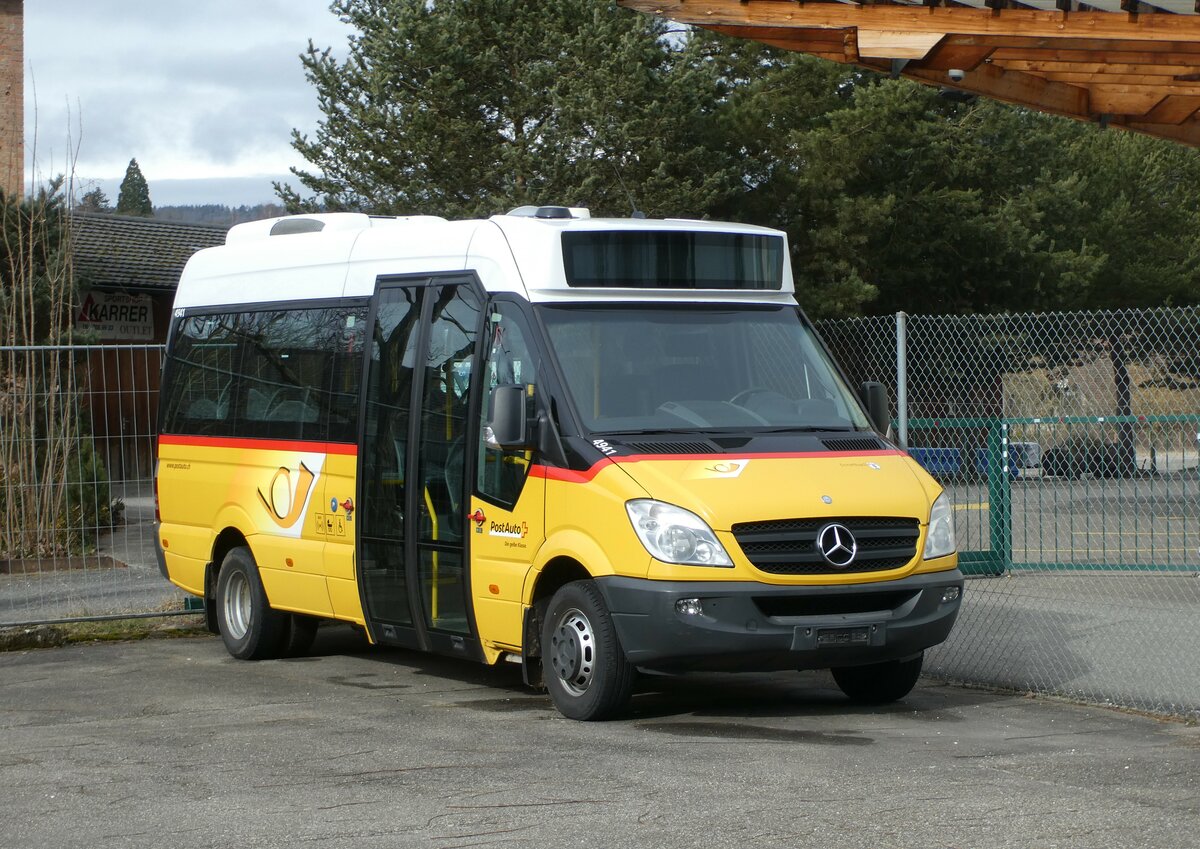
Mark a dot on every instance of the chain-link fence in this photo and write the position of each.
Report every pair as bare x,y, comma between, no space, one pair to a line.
77,431
1070,444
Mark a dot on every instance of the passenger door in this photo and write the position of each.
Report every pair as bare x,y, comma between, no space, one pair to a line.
413,490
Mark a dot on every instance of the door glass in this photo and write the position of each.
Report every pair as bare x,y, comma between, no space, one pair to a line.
501,473
390,377
440,464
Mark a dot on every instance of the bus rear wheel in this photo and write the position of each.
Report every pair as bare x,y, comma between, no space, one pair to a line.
583,664
879,683
250,629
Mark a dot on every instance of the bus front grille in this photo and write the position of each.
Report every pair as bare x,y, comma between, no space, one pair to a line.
789,546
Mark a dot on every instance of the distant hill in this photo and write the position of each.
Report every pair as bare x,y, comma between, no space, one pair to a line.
217,214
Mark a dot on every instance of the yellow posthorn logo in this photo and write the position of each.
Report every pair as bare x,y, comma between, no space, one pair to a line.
284,502
705,469
724,468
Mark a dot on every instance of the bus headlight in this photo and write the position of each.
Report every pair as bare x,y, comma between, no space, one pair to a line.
939,541
674,535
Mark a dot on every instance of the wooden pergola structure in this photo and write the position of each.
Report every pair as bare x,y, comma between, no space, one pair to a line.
1121,63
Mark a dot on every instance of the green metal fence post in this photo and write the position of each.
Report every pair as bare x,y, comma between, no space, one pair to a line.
999,496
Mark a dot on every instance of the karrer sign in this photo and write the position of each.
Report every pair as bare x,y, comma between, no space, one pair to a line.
113,316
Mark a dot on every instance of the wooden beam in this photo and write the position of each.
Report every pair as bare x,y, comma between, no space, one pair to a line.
798,35
1131,83
1123,57
841,45
1158,72
1014,87
1122,103
888,44
943,57
1137,70
1173,110
1090,46
1020,22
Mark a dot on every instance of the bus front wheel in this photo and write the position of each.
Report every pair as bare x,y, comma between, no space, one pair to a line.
583,664
879,683
250,629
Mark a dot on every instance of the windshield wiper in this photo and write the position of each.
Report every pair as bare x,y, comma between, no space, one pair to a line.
808,429
647,431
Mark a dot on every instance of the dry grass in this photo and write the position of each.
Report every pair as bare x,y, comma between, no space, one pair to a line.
1086,390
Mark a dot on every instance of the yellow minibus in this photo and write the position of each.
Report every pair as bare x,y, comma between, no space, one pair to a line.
588,446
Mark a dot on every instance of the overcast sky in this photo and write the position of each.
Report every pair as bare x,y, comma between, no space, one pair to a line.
203,93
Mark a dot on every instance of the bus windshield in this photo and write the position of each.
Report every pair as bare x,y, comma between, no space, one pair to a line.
633,368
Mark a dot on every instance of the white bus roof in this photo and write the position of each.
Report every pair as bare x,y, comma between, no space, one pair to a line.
332,255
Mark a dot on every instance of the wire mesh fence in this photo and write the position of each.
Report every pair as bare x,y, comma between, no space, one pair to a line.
76,492
1070,444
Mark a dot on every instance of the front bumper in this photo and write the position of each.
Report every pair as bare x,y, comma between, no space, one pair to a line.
748,626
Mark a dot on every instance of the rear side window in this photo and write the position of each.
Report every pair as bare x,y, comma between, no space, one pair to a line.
282,374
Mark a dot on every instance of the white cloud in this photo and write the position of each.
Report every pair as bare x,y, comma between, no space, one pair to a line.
195,91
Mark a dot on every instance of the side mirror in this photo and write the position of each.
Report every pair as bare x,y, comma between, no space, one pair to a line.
506,417
875,398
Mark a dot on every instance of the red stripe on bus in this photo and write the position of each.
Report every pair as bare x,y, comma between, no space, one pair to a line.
568,475
572,476
259,444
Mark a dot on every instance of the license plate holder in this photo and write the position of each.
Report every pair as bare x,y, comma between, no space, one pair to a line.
839,636
852,636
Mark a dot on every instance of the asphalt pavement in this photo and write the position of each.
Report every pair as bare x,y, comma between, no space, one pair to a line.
174,743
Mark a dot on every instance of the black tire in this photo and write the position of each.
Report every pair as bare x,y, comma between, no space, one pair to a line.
250,629
879,683
583,664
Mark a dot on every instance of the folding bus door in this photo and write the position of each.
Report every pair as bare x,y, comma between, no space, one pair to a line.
413,505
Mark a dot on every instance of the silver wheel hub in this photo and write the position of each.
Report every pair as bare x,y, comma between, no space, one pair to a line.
237,605
573,651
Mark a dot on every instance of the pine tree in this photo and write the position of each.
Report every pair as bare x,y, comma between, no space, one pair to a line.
94,201
470,107
134,196
893,197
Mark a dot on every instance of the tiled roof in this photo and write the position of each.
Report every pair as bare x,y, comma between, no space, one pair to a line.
125,252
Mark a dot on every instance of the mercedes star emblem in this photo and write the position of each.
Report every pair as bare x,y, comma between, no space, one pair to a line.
837,545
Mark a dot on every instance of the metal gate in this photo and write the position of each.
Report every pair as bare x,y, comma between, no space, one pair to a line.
1070,444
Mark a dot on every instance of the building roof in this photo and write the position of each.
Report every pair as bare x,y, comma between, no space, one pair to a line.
1121,63
130,253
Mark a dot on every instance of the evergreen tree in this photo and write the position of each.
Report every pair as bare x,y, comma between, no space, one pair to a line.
893,197
1143,212
94,201
134,196
37,288
469,107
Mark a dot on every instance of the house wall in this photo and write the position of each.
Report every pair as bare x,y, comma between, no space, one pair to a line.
12,97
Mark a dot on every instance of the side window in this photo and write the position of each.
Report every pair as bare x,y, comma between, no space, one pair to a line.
202,368
341,403
284,374
509,361
299,373
282,369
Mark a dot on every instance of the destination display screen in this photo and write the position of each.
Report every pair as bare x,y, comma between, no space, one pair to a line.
674,259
